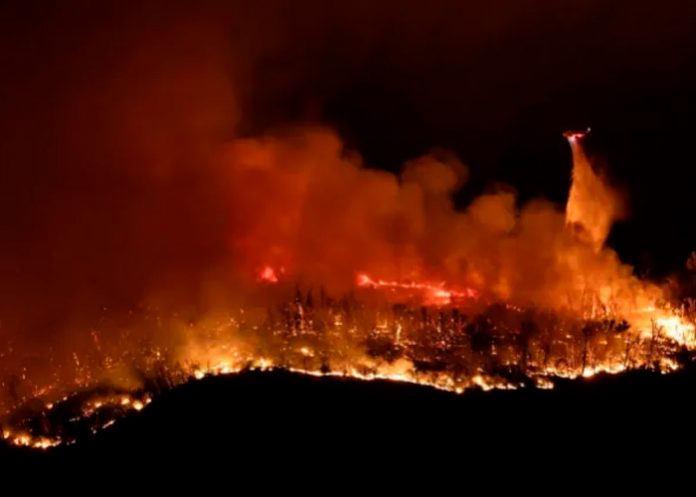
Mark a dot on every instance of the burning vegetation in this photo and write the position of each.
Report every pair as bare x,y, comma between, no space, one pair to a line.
503,299
164,217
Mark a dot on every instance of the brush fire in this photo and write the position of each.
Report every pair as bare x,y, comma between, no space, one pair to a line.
342,271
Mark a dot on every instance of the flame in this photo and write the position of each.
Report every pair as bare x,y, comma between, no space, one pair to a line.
24,439
268,275
412,348
433,293
448,335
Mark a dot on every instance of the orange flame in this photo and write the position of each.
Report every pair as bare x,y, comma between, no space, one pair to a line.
588,314
433,293
268,275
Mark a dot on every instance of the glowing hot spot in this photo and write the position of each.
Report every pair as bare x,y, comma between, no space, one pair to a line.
268,275
433,293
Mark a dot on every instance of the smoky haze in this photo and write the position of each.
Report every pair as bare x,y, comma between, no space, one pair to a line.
158,155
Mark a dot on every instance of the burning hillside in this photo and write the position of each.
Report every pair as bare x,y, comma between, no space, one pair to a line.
595,317
167,211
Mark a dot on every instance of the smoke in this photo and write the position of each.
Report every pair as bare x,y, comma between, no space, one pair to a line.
145,166
304,203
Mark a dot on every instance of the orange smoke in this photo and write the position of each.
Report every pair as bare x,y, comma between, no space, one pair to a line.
432,293
139,219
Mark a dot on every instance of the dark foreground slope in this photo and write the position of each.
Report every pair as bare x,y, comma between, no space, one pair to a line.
284,419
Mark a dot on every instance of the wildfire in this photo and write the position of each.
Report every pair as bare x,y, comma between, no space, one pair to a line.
435,345
25,439
427,332
268,275
433,293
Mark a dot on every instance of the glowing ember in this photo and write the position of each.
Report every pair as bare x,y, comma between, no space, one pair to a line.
434,345
433,294
268,275
24,439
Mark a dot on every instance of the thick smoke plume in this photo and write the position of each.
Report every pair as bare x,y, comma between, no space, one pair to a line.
135,177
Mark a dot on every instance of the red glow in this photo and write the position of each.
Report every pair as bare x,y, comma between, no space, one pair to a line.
268,275
434,293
